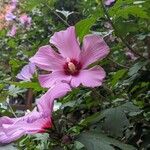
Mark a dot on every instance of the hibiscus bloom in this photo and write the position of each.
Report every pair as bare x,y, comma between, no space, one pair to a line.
71,63
27,72
109,2
37,121
25,20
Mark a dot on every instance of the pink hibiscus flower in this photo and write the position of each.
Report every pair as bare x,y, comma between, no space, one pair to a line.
25,20
37,121
71,63
27,72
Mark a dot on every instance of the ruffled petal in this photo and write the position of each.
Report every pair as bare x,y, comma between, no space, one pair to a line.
90,78
56,91
48,80
94,48
47,59
27,72
32,123
67,43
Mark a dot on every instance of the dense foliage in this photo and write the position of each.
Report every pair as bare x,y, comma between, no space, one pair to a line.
115,115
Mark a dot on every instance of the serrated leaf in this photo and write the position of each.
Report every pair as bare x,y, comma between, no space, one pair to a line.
116,120
83,27
118,75
99,141
33,85
91,119
136,67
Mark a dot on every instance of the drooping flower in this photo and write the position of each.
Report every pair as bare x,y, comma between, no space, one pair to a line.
27,72
71,63
12,32
25,20
37,121
109,2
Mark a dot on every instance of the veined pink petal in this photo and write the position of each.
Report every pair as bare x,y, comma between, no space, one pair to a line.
67,43
91,78
94,48
31,123
47,80
47,59
56,91
27,72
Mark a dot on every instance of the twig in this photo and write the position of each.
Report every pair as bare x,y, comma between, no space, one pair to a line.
115,30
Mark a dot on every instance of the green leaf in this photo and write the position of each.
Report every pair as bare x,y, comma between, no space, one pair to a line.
116,120
78,145
30,4
91,119
8,147
136,67
118,75
132,10
99,141
14,91
33,85
83,27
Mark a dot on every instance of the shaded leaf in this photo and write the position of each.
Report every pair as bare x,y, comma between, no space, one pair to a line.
83,27
99,141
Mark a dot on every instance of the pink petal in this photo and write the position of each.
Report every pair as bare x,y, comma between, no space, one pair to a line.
94,48
67,43
48,80
90,78
27,72
47,59
32,123
36,121
109,2
45,103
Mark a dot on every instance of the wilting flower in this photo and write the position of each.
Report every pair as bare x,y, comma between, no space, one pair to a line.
37,121
109,2
12,32
27,72
10,16
25,20
71,63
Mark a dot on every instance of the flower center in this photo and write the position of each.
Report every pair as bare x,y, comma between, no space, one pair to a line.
72,67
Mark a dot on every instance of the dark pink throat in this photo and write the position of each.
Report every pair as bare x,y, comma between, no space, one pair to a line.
72,67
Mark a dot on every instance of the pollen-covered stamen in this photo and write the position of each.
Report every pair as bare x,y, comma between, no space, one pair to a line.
72,67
